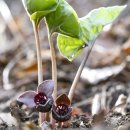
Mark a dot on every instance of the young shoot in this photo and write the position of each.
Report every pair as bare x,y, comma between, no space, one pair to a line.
74,34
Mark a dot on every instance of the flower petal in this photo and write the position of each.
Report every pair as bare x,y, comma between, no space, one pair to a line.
47,87
60,118
63,99
46,107
27,98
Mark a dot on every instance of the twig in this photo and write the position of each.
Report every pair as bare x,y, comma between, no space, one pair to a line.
6,72
8,18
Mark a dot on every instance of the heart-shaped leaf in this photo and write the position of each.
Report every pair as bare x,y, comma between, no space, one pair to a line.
69,47
90,27
93,23
37,9
64,20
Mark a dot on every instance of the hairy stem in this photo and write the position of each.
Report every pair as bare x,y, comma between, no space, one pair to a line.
39,62
78,74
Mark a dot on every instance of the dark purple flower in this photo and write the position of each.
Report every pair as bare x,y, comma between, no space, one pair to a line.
62,110
42,99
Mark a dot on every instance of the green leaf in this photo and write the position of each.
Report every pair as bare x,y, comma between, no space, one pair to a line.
69,47
93,23
91,26
37,9
64,20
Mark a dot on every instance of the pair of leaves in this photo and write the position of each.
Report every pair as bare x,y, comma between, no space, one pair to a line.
90,27
74,33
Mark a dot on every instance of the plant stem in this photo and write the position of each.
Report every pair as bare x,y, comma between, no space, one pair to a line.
47,116
54,71
60,124
39,57
54,66
39,62
78,74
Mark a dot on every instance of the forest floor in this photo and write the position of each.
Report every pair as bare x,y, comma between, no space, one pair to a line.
102,98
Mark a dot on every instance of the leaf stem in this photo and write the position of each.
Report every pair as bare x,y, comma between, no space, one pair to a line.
39,57
54,70
54,65
39,62
78,74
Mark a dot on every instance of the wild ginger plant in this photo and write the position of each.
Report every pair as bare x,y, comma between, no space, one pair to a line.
74,35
